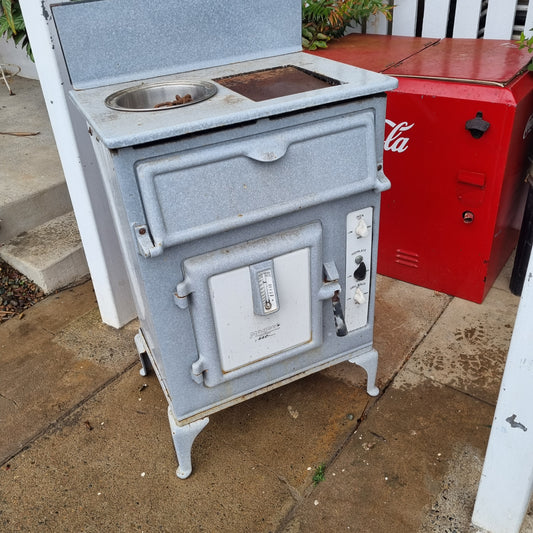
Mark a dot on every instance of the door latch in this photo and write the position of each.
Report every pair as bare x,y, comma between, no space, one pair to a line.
331,289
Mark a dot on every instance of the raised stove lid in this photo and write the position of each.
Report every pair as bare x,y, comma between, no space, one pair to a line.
114,41
118,129
485,61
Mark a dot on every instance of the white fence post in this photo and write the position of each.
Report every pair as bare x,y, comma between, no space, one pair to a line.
404,17
529,19
500,19
377,24
436,14
507,479
499,23
83,178
466,22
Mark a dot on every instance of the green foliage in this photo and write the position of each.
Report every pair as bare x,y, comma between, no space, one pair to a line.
320,474
526,43
323,20
12,24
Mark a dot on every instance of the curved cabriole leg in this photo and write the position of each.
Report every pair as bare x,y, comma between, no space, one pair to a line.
369,362
183,437
146,366
140,344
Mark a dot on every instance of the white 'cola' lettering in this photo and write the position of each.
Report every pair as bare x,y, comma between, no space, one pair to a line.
395,141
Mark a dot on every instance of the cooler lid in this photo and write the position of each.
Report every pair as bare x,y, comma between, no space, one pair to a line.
374,52
484,61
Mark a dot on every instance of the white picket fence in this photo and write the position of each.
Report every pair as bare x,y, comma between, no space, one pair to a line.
490,19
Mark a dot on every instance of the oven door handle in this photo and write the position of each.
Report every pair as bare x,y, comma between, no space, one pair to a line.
266,152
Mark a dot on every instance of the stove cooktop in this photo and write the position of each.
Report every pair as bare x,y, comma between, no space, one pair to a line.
332,82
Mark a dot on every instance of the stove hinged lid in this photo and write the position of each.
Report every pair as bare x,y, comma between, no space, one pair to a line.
114,41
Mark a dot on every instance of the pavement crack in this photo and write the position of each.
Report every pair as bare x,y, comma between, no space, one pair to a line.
377,435
66,414
50,332
9,400
295,493
415,348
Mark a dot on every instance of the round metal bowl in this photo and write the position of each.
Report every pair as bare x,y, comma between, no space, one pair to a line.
160,96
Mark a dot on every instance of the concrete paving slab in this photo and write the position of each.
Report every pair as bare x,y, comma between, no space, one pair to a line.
468,346
92,448
392,472
45,374
110,465
504,278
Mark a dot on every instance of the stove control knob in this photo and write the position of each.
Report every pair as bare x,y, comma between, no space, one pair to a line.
360,271
358,296
361,230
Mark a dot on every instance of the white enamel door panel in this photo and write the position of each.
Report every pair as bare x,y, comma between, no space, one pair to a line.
243,335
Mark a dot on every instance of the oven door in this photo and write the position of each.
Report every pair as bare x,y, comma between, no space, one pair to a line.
254,304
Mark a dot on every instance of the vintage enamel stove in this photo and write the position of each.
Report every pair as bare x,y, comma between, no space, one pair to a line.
245,183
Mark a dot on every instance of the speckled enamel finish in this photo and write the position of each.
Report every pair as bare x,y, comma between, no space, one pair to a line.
245,182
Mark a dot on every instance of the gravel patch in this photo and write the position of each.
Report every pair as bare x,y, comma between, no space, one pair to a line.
17,293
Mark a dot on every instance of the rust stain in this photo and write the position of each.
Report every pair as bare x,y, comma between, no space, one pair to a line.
270,83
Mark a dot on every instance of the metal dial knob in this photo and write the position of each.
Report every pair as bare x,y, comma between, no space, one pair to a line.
360,272
358,296
361,230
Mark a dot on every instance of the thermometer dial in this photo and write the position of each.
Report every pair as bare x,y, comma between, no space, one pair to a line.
267,290
264,291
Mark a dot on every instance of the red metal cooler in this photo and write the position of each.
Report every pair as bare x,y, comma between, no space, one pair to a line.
456,151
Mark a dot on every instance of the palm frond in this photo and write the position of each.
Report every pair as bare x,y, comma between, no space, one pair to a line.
7,13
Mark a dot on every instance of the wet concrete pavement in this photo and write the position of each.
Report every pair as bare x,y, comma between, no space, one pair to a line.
85,443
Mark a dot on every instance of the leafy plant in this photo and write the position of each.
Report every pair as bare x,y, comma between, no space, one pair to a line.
12,24
320,474
526,43
323,20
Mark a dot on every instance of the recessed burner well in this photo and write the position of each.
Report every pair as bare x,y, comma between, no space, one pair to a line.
157,96
270,83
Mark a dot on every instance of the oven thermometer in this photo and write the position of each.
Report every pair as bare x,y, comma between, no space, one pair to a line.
264,292
268,292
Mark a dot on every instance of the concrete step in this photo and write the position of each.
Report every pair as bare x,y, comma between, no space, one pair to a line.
31,177
38,233
51,255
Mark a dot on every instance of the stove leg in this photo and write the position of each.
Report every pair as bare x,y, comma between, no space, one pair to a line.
146,366
369,362
183,437
142,350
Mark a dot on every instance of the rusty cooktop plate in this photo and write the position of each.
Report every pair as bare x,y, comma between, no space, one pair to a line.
270,83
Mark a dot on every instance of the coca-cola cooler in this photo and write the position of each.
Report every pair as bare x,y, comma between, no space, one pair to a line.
456,151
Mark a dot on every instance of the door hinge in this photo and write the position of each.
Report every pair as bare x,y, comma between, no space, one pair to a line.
147,248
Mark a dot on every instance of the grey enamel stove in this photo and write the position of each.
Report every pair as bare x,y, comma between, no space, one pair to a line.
249,225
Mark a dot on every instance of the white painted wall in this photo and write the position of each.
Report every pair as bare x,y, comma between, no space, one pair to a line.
15,55
83,178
